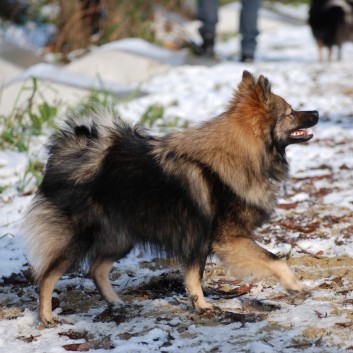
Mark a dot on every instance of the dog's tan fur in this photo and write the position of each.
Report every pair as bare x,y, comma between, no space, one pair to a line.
245,259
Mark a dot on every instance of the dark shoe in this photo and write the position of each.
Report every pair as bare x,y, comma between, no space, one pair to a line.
202,50
245,58
206,49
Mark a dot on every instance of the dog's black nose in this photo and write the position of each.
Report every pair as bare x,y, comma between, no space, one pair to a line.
315,115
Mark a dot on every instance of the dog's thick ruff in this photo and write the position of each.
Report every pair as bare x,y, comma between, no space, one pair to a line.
109,187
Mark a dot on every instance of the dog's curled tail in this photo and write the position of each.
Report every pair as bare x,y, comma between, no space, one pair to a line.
77,149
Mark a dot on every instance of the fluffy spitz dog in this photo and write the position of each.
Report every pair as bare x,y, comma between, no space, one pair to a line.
331,22
109,187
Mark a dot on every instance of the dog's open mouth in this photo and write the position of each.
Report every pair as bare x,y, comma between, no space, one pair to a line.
301,134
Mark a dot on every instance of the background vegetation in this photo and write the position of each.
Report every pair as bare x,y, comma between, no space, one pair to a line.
80,23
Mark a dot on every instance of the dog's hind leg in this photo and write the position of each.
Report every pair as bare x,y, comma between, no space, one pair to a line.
46,287
320,46
339,52
329,54
192,278
247,259
99,271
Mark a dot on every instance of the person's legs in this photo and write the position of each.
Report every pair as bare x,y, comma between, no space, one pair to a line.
248,28
207,13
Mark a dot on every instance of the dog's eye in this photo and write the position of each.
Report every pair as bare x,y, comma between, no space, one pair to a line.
290,114
288,111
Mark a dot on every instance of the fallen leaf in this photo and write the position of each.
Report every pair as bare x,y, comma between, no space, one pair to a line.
259,306
347,231
287,206
243,318
74,335
325,285
281,297
104,343
337,280
304,229
345,292
109,315
306,344
312,178
28,339
344,324
238,291
127,335
323,192
319,315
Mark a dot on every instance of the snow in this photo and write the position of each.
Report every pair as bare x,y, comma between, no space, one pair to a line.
12,165
320,190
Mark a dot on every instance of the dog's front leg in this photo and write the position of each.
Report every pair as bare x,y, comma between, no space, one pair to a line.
245,258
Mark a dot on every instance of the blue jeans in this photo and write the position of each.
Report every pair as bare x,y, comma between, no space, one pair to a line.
248,26
207,13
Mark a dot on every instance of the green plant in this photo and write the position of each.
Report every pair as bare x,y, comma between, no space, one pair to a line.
153,113
26,120
3,188
154,117
34,172
96,98
102,98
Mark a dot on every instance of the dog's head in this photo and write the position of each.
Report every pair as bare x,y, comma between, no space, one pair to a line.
269,115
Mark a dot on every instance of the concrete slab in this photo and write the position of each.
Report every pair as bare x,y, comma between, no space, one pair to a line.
117,66
18,93
61,75
7,71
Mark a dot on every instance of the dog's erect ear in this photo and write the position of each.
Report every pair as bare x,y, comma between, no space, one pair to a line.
263,88
247,82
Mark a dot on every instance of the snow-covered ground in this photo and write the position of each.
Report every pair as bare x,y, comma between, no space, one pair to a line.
313,225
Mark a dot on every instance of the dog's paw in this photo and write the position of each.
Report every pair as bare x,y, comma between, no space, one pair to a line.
213,312
303,292
200,304
298,296
210,309
117,306
44,323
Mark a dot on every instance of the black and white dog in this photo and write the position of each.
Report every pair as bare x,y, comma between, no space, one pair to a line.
331,22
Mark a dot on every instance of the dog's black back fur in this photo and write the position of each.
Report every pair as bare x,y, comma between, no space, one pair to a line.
121,201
